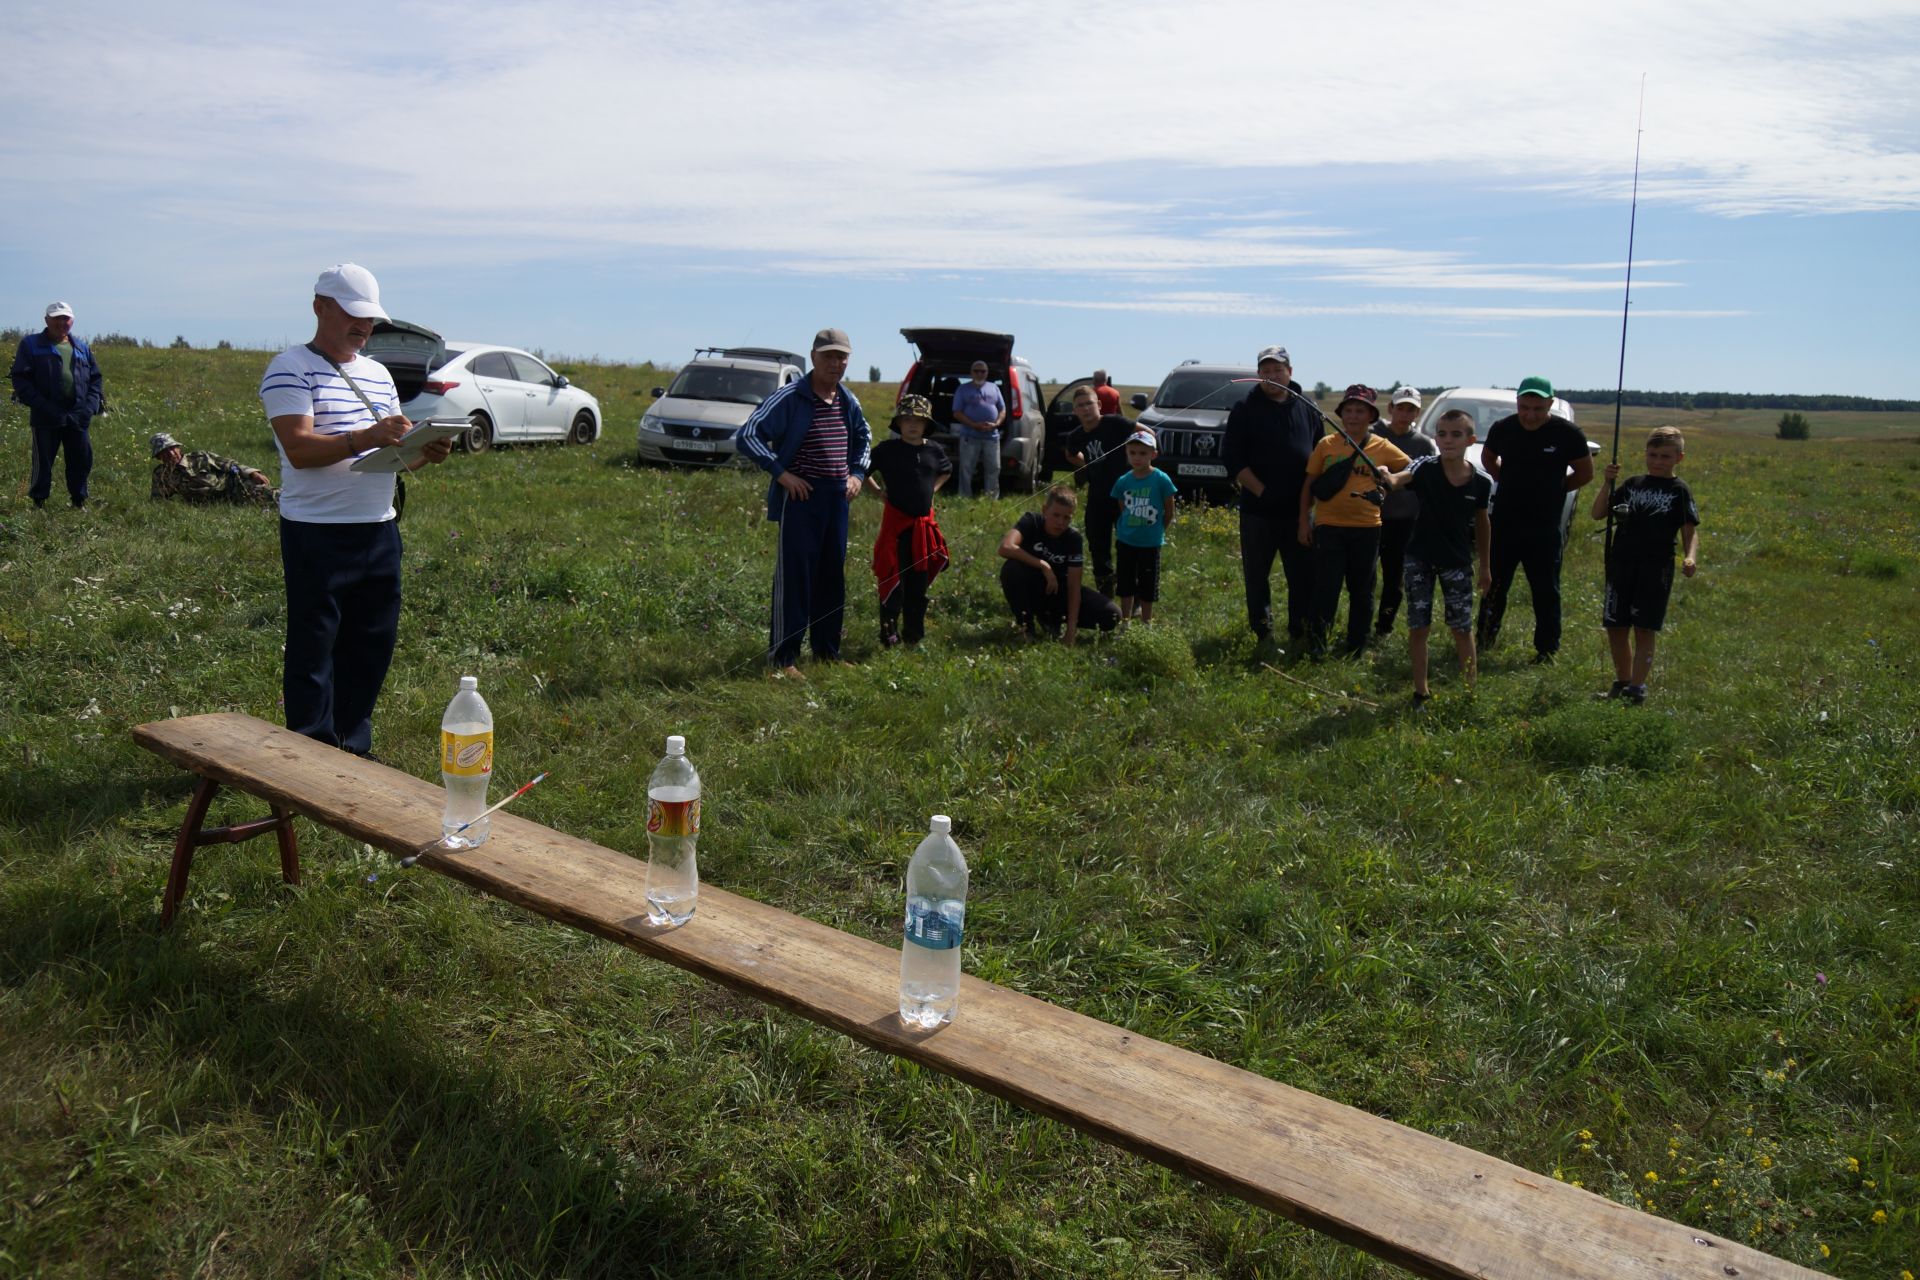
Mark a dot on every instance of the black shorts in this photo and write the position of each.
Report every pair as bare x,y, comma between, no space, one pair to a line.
1136,572
1637,592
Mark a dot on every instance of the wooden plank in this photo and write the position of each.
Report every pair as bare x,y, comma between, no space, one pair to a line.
1431,1206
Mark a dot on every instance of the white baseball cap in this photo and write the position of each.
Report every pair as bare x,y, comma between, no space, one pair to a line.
1145,437
354,288
59,309
1407,395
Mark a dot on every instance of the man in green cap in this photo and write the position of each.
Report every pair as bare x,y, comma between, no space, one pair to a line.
1536,458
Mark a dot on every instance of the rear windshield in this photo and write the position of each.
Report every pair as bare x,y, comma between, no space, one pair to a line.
730,386
1217,390
1485,412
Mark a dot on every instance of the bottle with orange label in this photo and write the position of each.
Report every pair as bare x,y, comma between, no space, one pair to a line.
673,829
466,766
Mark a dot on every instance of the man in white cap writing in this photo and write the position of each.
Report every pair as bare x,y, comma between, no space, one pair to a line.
55,376
339,540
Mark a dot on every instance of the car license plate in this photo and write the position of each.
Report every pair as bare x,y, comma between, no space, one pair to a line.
701,446
1210,470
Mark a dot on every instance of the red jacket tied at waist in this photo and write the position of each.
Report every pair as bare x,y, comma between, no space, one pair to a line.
926,549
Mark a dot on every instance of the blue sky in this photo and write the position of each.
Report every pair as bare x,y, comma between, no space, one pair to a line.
1436,194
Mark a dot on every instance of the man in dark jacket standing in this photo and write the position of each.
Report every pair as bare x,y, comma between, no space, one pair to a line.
812,438
1268,439
1536,458
55,377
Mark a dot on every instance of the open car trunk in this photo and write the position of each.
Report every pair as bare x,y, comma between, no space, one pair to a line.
409,351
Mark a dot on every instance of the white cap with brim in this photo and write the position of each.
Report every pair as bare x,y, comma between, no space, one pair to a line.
1145,437
59,309
1407,395
354,288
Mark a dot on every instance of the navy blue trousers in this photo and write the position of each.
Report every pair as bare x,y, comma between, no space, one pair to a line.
343,615
52,438
810,575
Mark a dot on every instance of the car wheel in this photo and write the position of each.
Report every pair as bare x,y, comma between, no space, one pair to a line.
582,432
478,438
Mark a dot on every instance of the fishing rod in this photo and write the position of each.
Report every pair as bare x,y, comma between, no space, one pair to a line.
1620,390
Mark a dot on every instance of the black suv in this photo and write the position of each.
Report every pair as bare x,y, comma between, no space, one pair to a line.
1188,417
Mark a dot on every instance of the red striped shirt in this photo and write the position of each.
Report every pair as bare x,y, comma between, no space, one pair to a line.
823,454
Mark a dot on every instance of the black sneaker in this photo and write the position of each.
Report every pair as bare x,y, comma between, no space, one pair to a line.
1420,701
1619,687
1543,658
1635,693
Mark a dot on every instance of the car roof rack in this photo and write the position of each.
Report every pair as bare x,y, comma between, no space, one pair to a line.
753,353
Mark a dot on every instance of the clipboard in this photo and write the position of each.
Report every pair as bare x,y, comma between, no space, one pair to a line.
393,458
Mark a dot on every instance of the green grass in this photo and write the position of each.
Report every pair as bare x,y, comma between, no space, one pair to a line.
1592,940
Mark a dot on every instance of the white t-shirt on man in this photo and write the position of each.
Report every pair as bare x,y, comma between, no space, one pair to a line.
299,381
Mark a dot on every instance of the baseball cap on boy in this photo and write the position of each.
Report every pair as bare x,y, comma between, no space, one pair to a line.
1145,437
354,288
1407,395
1535,386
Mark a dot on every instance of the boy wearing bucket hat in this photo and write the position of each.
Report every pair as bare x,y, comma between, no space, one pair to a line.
1340,517
909,552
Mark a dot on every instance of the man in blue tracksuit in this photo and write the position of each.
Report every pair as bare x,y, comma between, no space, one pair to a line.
55,376
811,437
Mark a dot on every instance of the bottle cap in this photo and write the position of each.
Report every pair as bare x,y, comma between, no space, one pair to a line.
676,745
940,825
469,683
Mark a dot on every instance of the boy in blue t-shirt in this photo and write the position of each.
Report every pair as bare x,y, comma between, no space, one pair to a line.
1145,494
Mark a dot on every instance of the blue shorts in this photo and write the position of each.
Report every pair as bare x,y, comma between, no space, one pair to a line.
1456,587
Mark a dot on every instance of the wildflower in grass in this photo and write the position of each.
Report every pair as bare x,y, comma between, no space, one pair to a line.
1879,1217
1766,1162
1853,1164
1825,1252
1652,1176
1586,1135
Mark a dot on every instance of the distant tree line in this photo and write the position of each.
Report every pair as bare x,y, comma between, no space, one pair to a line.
1739,400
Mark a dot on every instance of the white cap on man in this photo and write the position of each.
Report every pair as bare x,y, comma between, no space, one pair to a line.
354,288
59,309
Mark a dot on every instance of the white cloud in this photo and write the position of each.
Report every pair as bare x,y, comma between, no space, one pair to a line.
1240,304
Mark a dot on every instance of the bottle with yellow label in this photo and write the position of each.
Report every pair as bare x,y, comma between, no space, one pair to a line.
466,766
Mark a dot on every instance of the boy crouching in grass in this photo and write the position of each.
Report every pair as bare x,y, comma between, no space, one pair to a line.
909,552
1451,536
1647,512
1146,497
1041,576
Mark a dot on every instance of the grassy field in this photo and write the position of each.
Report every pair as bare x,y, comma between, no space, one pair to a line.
1671,953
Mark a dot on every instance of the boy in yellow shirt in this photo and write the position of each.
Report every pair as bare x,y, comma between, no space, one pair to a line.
1340,517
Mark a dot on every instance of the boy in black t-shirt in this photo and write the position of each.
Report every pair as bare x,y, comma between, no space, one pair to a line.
1451,534
1041,576
1096,447
907,470
1648,511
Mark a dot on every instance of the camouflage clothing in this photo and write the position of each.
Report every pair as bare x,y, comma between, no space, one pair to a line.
206,478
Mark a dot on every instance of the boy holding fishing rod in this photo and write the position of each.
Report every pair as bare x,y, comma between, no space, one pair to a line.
1644,516
1340,517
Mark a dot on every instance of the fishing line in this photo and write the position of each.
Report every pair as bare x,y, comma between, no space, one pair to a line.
1620,390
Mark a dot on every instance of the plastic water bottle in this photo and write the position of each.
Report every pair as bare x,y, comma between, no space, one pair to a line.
673,829
936,919
466,765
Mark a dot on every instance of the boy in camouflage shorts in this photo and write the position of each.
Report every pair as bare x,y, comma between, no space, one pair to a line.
1451,535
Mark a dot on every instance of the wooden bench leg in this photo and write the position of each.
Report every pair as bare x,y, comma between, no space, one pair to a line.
191,837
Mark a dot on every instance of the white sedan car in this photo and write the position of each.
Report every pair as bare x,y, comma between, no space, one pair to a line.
508,395
1488,405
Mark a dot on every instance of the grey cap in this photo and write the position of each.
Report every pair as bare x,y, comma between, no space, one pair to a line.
833,340
1274,353
160,443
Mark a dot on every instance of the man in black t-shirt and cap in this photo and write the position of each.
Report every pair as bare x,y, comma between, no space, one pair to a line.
1269,437
1536,458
